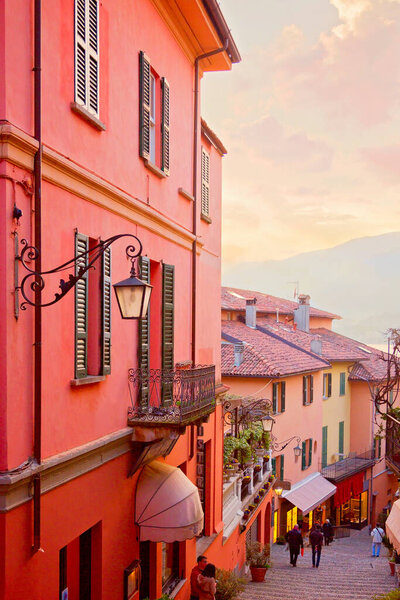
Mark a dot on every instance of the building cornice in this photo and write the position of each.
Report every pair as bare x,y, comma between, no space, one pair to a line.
19,148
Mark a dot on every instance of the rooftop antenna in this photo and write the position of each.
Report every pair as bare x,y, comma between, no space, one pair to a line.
296,288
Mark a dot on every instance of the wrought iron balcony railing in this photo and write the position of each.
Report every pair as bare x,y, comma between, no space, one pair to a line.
178,397
393,443
349,465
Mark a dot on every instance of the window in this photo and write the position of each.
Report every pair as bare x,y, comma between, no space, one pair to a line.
278,397
80,565
324,456
341,438
327,385
205,183
377,447
306,454
92,312
278,466
308,389
87,55
342,389
170,566
153,116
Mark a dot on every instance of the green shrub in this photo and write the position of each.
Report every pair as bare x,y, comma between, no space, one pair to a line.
229,585
280,540
258,555
393,595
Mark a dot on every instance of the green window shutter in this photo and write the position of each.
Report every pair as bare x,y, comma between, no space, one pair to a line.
282,466
341,437
303,456
329,385
144,106
310,452
324,446
273,466
168,330
205,183
311,388
283,396
144,336
342,384
81,308
274,397
165,125
106,313
304,389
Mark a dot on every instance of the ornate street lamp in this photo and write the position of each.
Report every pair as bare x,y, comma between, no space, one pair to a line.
132,294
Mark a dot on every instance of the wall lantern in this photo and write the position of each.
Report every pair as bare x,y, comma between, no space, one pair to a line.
267,423
132,294
278,491
297,450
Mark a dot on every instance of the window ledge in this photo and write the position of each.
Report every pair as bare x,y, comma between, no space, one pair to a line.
154,169
205,218
85,114
185,194
87,380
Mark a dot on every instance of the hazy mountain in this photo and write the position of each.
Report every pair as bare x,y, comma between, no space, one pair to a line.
358,280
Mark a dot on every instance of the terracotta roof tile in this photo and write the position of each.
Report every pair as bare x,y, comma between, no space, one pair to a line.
235,299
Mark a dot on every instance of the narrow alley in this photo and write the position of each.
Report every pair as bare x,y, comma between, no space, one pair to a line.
346,572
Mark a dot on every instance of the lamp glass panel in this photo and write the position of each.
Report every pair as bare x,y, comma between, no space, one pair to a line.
146,299
130,300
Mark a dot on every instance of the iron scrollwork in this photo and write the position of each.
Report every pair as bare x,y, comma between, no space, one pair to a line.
35,280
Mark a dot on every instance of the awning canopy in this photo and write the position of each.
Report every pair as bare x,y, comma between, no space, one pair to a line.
168,507
392,526
308,493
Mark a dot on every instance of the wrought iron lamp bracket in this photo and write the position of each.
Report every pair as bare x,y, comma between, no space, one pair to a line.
35,280
276,446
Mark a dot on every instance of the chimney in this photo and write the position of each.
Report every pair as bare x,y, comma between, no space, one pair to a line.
251,312
238,349
302,313
316,345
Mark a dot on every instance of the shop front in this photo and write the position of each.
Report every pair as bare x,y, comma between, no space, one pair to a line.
349,506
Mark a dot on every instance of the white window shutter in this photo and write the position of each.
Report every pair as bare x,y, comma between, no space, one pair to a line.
87,55
205,183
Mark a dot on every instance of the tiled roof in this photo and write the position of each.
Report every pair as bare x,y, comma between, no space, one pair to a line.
235,299
265,355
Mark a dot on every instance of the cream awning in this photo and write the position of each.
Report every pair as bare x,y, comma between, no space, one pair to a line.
308,493
392,526
168,507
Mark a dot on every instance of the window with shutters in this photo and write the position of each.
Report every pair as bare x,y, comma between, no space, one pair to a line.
167,357
205,183
306,454
327,385
308,389
154,105
377,447
87,55
324,452
278,397
92,312
341,438
342,388
278,466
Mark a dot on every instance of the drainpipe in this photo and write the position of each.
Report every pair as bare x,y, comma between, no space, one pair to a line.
37,172
194,245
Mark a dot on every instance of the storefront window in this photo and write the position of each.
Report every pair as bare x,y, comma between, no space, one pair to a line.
275,526
170,565
291,518
364,506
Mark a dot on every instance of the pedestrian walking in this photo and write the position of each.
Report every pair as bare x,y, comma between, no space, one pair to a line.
377,536
327,530
196,571
295,541
207,584
316,540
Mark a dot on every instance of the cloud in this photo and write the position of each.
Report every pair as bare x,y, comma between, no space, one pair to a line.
384,161
268,139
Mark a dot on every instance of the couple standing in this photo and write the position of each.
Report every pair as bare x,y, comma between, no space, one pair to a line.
295,542
202,580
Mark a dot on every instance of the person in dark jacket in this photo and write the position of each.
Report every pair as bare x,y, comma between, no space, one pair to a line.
295,541
316,540
327,530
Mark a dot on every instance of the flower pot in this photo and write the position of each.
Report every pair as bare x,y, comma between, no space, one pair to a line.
258,573
392,566
259,452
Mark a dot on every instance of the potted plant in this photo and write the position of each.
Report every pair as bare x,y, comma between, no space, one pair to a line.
261,492
246,514
280,540
246,479
229,585
392,565
258,559
257,499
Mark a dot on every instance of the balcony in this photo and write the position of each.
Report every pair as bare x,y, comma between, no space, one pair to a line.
175,399
393,444
352,464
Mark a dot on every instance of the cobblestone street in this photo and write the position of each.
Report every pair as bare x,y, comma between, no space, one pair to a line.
346,572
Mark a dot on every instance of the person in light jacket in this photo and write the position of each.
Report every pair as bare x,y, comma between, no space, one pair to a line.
377,536
207,584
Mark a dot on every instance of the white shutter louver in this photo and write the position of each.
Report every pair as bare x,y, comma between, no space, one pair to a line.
87,54
205,183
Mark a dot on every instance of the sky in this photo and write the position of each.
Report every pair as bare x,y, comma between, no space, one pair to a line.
311,121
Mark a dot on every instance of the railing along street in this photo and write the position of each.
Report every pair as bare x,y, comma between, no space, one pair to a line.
353,463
